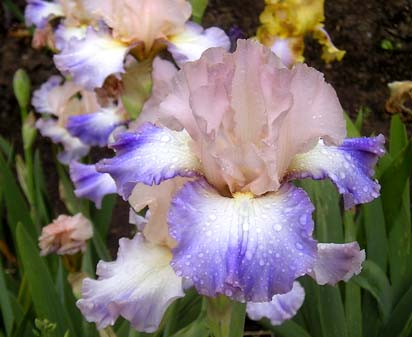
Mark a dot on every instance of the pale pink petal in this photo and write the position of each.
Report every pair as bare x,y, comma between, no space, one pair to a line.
249,115
142,20
157,198
162,74
65,235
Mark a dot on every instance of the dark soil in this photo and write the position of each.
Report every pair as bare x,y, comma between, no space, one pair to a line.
359,27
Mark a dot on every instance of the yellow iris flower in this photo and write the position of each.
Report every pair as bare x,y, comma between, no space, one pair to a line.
285,23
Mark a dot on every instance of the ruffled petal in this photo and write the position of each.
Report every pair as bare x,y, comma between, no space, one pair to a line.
337,262
144,20
194,40
64,34
39,12
57,99
246,248
95,128
149,155
138,286
91,184
73,148
262,115
329,51
92,59
349,166
281,308
40,99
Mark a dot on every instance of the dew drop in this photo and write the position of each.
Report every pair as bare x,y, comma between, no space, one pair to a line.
165,139
249,256
212,217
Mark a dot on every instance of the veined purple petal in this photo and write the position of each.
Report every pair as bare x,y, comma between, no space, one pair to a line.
337,262
40,99
92,59
74,149
281,308
95,128
91,184
247,248
39,12
190,44
149,155
138,286
350,166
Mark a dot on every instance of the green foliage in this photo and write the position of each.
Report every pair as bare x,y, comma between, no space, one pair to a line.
21,86
46,301
198,9
137,82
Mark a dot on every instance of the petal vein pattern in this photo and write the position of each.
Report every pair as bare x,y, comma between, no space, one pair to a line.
149,155
95,128
246,248
91,184
350,166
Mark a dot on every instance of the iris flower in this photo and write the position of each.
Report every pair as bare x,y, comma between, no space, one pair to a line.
94,45
75,117
66,235
214,161
284,25
74,20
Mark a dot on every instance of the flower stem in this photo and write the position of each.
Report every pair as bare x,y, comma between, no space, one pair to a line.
226,318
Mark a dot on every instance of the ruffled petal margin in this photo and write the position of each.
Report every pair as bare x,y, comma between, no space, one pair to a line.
74,149
90,60
149,155
190,44
95,128
91,184
40,99
246,248
39,12
350,166
139,286
281,308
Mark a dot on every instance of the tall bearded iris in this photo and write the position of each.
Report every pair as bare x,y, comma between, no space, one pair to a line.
137,27
225,137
